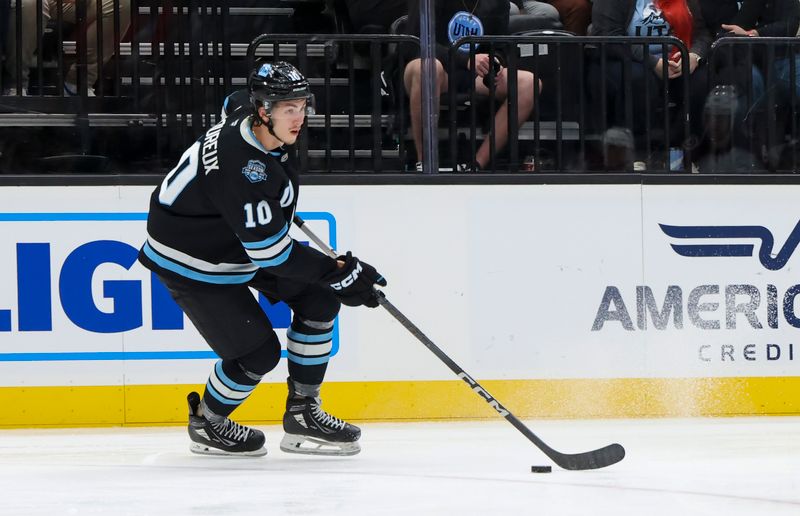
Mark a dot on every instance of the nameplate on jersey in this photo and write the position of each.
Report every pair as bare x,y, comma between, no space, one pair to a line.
461,25
209,153
255,171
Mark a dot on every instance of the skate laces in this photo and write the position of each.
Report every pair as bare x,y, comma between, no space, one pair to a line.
326,419
231,430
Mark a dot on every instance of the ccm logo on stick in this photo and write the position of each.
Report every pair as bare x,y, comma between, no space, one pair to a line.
483,394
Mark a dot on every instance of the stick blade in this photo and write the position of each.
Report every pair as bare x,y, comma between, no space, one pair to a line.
595,459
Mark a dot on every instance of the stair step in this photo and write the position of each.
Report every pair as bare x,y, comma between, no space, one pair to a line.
237,49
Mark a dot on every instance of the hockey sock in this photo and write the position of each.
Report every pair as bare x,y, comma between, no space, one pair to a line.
305,391
228,386
308,350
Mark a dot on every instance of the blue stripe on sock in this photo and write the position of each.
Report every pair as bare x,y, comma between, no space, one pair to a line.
230,384
303,337
307,360
219,397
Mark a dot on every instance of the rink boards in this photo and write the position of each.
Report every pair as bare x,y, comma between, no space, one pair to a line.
566,300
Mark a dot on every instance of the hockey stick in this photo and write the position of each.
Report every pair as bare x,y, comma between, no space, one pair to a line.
594,459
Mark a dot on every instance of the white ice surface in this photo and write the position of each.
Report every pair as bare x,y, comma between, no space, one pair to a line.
733,466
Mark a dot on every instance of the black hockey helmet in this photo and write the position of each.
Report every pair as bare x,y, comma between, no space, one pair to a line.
273,82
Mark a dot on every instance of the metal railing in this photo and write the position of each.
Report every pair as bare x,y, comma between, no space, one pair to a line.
761,113
170,79
564,63
174,87
368,66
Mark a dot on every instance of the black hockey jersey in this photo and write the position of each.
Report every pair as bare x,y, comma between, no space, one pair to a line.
239,99
225,211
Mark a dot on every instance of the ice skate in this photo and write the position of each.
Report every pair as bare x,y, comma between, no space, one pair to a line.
311,430
221,436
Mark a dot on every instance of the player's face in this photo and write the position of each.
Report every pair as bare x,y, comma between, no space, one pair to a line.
287,119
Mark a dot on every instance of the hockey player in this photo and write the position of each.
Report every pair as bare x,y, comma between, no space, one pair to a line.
218,226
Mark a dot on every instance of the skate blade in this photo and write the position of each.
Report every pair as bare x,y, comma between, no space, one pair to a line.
311,446
204,449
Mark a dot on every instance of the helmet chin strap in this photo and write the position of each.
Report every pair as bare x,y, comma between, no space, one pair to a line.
268,123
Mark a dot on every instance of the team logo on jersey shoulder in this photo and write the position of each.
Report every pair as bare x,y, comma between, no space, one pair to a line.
255,171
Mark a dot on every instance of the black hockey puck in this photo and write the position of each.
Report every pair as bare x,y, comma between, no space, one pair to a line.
541,469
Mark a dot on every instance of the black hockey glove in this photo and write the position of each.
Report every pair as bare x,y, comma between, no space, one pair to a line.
353,283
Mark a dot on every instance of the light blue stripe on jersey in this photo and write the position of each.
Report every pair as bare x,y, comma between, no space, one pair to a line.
277,260
169,265
230,383
246,130
196,263
219,397
267,241
301,337
306,360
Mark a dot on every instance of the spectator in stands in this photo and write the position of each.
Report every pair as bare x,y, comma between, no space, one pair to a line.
772,18
618,149
719,152
455,19
575,15
680,18
541,10
375,16
30,40
730,66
